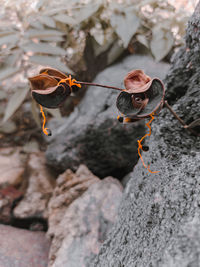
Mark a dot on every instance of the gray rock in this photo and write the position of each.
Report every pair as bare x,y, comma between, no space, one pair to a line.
69,186
91,135
22,248
159,218
8,196
39,189
85,224
12,166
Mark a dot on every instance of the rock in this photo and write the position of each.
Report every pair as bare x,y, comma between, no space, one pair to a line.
8,127
85,224
8,196
125,179
91,135
69,186
22,248
12,166
159,217
40,186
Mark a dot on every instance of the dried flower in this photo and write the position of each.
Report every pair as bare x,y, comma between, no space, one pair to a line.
51,87
142,96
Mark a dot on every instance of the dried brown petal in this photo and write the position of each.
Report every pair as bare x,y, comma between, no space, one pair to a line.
52,97
41,82
53,72
137,82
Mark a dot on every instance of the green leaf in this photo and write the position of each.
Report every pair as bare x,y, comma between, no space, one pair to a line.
36,24
142,39
7,72
5,33
8,127
9,39
14,103
52,38
54,112
63,18
98,49
35,113
85,12
58,10
44,48
14,57
114,52
41,33
98,35
2,95
50,61
161,43
48,21
125,24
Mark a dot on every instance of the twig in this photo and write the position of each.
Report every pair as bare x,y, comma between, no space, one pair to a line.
175,114
180,120
100,85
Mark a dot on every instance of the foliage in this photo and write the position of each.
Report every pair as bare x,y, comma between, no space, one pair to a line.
54,33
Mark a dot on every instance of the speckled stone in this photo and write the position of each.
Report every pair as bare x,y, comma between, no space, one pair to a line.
22,248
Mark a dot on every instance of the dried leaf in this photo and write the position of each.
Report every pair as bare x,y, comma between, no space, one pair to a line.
14,103
50,61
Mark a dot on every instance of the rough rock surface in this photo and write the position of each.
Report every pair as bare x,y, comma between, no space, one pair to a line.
22,248
69,186
12,166
91,135
39,189
159,218
85,224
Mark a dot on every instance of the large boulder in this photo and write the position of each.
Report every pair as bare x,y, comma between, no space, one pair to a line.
159,218
91,135
84,224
